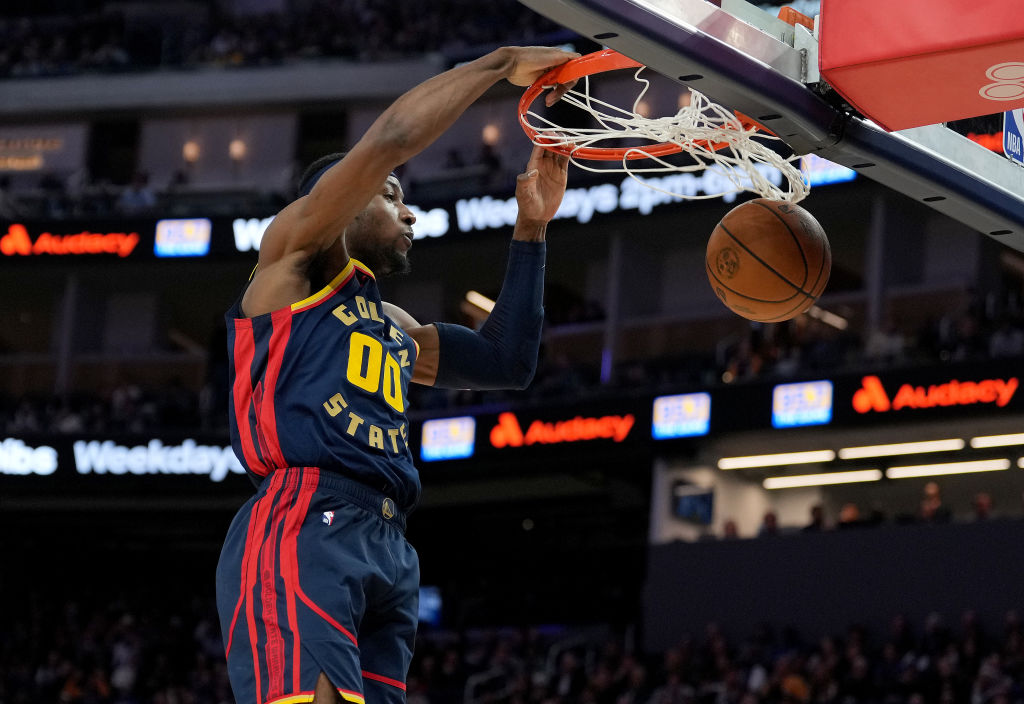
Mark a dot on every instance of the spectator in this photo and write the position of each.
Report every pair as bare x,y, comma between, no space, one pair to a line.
932,509
849,516
886,343
9,207
453,160
179,181
968,342
1006,341
982,504
491,160
817,523
56,203
636,688
137,197
569,679
769,525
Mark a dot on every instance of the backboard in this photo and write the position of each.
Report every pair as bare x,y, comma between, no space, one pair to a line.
750,61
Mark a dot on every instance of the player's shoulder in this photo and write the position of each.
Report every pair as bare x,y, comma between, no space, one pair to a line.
277,284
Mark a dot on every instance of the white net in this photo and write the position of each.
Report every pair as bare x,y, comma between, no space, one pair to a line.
742,162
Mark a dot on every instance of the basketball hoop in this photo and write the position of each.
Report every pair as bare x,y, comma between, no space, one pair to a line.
716,138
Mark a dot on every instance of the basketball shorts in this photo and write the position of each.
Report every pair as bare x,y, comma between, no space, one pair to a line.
316,576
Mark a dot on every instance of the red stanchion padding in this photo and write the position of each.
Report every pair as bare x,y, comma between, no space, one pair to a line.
908,63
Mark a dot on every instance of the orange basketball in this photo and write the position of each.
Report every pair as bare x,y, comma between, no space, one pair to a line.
768,260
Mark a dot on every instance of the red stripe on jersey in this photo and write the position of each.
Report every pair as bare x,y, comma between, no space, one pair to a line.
320,297
282,322
356,264
274,648
315,474
385,680
290,561
245,349
261,440
251,569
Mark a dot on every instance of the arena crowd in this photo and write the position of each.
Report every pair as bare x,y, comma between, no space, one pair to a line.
130,650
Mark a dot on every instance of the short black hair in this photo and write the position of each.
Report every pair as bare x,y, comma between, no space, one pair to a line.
315,170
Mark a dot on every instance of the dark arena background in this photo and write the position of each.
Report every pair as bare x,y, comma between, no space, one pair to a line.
612,535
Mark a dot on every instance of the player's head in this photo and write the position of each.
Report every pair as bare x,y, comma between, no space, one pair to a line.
381,234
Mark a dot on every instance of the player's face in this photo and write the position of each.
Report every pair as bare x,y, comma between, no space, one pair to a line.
381,235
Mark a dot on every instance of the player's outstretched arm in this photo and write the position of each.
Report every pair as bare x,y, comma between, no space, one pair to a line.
503,354
314,222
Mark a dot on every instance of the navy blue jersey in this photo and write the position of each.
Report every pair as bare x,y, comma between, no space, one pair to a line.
323,383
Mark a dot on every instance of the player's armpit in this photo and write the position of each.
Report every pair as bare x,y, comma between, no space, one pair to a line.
276,285
425,370
315,221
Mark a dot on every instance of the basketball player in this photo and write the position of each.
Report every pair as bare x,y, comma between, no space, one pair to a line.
317,587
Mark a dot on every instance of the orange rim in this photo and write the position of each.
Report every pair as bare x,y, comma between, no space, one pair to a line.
600,62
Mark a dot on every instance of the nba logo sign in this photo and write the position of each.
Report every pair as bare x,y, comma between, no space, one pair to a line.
328,517
1013,135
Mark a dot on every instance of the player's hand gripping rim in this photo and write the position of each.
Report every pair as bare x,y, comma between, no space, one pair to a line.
531,62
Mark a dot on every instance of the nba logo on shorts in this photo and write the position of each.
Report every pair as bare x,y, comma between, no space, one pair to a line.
328,517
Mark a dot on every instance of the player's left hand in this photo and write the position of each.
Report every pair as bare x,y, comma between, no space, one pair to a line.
540,188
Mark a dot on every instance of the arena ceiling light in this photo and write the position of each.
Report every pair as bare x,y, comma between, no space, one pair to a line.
931,470
852,477
900,448
782,458
828,317
480,300
997,440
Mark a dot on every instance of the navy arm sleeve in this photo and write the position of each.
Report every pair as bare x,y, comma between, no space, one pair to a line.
503,354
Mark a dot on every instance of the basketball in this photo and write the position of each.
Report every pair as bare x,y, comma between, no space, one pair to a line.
768,260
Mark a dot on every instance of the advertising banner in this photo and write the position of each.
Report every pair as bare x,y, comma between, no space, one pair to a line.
593,431
114,464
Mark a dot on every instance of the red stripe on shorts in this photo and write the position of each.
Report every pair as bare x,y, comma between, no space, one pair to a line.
251,570
290,563
314,473
274,648
386,680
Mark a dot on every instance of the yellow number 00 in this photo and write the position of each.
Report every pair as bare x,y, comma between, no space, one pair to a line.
364,350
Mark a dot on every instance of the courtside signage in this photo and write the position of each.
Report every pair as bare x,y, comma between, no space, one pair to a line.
1013,135
804,403
874,397
248,232
509,431
639,194
821,172
108,457
17,458
185,237
448,438
19,242
681,415
86,459
632,193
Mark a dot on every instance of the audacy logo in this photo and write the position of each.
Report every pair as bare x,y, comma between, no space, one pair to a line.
872,395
